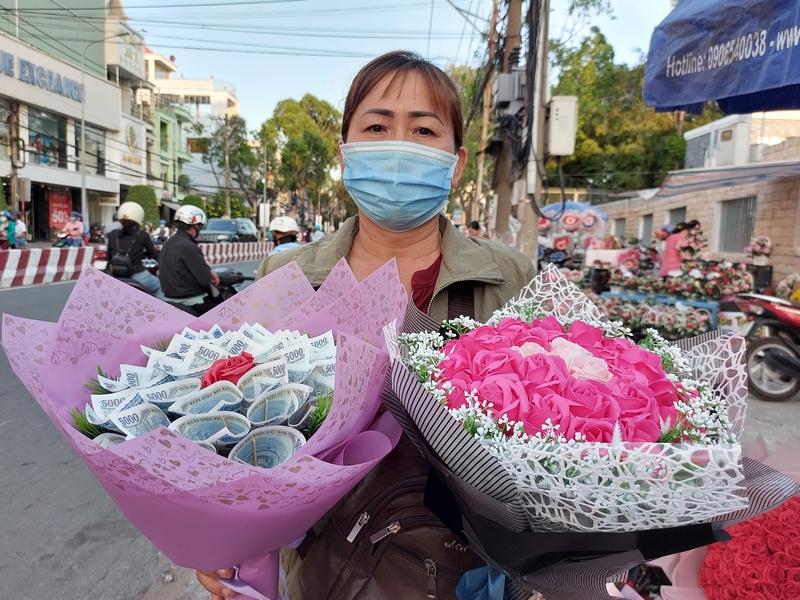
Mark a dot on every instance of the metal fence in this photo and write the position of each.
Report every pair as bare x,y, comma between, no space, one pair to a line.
736,224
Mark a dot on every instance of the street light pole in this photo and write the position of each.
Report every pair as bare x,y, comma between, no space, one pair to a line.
84,199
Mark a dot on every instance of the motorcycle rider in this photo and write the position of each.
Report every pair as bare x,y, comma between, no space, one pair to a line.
135,243
284,231
73,229
188,281
161,234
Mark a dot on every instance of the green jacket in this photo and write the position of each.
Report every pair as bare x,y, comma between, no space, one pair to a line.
498,270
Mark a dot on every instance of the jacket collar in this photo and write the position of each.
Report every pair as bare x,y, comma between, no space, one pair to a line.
463,258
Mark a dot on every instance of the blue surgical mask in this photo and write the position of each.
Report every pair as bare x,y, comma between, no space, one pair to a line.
397,185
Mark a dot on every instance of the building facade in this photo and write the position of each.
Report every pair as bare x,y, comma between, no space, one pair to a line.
48,86
206,101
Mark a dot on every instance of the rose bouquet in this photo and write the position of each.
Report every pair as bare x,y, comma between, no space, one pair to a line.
762,560
694,242
760,245
649,284
202,510
568,453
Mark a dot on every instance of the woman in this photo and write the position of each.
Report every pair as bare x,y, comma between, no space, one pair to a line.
73,229
402,116
671,255
131,244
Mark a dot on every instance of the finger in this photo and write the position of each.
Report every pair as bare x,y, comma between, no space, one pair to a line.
210,581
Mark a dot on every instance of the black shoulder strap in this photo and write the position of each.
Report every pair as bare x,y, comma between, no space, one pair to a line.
461,300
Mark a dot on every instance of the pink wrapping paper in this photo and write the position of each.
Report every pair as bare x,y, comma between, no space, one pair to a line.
202,510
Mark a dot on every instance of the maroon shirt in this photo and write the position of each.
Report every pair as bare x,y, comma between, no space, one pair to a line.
423,284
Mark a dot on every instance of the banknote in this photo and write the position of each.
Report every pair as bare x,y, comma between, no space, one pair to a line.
322,347
140,419
189,334
322,378
301,418
109,440
216,332
268,351
165,395
273,408
269,376
219,396
132,375
236,344
96,419
222,429
254,335
179,346
197,374
104,404
112,385
268,447
299,372
200,356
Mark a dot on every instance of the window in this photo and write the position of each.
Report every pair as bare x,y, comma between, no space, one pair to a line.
726,136
5,115
164,136
619,228
677,215
737,221
95,149
47,138
646,228
194,146
161,74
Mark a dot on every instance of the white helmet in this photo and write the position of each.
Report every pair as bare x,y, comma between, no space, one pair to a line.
131,211
191,215
284,225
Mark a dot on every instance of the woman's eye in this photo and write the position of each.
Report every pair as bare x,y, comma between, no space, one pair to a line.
424,131
376,128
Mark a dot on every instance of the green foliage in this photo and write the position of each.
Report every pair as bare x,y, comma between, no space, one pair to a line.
83,424
320,413
621,143
216,208
192,200
3,203
145,196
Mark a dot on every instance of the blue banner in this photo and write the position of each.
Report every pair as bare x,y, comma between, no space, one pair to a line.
743,53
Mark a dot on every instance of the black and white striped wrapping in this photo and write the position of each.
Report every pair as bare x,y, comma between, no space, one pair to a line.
485,506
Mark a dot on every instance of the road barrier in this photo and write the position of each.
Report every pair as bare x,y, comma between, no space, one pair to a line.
42,265
218,254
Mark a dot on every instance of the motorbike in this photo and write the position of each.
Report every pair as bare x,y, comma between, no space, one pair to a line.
773,346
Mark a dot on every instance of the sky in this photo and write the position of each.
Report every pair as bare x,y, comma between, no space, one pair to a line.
276,49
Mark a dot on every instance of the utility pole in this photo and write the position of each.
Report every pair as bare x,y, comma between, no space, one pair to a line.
503,183
227,214
487,109
14,149
538,23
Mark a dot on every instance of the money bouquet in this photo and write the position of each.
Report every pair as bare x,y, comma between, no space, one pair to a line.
166,480
566,453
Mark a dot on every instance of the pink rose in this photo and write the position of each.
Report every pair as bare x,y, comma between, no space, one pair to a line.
529,349
581,364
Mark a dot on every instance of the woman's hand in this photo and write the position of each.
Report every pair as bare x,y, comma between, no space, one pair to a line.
210,581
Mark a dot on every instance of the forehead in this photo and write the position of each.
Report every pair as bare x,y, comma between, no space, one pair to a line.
408,91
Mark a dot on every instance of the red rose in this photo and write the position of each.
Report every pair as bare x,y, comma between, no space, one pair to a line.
775,575
791,590
784,561
789,517
755,545
754,596
770,590
228,369
761,561
793,575
775,542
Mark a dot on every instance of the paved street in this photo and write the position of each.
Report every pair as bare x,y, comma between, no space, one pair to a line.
61,538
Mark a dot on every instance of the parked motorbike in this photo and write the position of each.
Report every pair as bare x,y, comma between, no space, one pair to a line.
773,346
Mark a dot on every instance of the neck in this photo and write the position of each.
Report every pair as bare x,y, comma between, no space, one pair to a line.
414,250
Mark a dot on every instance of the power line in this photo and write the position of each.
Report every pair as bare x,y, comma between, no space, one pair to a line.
187,5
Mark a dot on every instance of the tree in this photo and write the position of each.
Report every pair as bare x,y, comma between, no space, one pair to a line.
304,133
145,196
192,200
621,143
242,156
3,203
239,208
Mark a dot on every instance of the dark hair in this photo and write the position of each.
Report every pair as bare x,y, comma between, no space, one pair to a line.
399,64
474,225
680,227
692,224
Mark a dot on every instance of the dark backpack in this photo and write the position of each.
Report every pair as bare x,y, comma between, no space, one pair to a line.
121,264
381,542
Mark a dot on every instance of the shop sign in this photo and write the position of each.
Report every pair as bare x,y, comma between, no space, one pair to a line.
108,201
733,321
60,208
39,76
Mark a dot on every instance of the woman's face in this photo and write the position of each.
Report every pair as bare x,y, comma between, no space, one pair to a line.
406,114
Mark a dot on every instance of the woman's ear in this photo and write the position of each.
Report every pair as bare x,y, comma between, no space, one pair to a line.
339,154
462,162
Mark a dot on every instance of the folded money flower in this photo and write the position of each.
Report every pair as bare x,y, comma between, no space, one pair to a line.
230,369
565,453
175,490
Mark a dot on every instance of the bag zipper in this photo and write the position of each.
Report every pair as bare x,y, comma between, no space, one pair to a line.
432,570
404,487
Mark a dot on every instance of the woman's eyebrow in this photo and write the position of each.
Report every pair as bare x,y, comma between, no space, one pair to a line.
414,114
